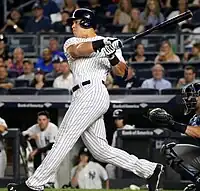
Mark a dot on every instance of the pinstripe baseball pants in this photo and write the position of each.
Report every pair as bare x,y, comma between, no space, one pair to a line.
85,118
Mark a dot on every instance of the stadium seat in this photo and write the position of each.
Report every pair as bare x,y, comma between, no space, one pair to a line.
171,91
12,74
143,91
172,80
49,82
171,65
141,65
53,91
118,91
3,91
23,91
146,73
175,73
21,83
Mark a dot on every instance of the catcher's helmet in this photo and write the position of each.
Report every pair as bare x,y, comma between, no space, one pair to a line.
190,93
118,114
86,16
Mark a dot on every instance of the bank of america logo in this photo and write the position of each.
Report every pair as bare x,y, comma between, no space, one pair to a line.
47,104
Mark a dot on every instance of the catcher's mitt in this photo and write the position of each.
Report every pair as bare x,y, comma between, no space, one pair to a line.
160,117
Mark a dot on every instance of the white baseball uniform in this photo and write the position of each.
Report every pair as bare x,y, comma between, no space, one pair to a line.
91,176
3,157
85,118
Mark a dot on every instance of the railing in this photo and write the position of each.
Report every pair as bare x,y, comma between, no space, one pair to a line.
33,44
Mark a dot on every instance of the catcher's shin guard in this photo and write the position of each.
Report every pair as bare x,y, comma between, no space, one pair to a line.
177,163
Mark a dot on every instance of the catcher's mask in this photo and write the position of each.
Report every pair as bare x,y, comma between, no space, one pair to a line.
190,94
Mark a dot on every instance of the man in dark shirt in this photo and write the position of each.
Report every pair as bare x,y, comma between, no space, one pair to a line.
50,7
39,23
62,26
131,82
4,81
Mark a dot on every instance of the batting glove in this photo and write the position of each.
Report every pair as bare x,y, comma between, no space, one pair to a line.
115,42
109,51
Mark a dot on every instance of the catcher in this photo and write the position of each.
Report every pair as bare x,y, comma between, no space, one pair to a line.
183,158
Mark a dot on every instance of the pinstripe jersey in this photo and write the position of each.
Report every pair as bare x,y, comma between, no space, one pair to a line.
93,67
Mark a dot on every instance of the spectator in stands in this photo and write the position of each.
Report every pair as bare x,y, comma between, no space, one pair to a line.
39,80
62,26
39,23
97,8
49,7
151,15
70,6
139,54
54,47
65,80
189,77
3,47
195,55
45,63
122,14
166,53
56,68
18,55
28,71
5,82
2,61
157,81
14,23
135,26
88,174
132,80
109,81
182,7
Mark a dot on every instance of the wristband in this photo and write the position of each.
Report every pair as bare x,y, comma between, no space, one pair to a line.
180,127
98,45
114,60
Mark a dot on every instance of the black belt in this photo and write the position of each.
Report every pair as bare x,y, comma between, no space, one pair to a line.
83,84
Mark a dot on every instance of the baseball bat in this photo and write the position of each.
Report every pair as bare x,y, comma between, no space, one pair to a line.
177,19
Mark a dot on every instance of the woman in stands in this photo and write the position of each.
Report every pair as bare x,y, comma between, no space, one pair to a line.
166,53
39,80
135,26
139,54
70,6
151,15
122,14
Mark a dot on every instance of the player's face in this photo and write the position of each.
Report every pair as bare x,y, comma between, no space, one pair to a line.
84,158
189,76
119,123
42,121
77,30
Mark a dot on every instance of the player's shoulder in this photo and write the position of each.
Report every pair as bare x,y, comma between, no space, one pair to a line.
52,125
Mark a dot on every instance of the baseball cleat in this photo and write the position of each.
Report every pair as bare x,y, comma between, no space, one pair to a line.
18,187
154,180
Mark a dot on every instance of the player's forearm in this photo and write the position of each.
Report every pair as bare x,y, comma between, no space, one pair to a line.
120,69
193,131
2,128
45,149
74,182
107,184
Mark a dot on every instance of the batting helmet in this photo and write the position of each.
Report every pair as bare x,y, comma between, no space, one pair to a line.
86,16
118,114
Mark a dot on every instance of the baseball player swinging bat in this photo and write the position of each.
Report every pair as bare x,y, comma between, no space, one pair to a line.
91,57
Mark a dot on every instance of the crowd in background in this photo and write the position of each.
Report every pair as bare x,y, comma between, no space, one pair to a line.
51,69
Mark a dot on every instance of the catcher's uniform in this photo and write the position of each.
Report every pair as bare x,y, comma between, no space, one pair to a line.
195,120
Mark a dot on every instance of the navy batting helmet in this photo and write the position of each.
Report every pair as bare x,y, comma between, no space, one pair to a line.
190,93
86,16
118,114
